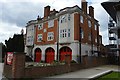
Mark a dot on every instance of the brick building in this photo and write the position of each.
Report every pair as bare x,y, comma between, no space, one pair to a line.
69,31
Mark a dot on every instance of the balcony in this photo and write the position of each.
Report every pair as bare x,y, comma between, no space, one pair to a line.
114,49
113,30
111,25
112,45
112,38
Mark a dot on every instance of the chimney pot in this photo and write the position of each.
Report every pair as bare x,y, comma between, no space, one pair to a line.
91,11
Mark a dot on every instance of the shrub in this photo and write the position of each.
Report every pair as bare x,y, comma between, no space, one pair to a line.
73,61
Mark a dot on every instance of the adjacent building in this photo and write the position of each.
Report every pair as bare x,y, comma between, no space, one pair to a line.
71,31
113,9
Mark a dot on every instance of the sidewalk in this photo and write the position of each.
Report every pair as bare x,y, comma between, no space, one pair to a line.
88,73
1,70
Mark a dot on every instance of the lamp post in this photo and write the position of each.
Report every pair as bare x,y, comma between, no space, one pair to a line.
80,43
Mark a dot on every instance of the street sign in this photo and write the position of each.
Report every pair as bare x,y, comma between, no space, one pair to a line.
9,58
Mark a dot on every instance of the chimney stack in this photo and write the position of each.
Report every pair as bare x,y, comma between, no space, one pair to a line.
84,5
46,11
91,11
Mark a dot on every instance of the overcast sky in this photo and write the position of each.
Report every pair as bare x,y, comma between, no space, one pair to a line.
14,14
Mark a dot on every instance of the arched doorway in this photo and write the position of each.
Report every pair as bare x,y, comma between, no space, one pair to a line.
49,55
37,55
65,51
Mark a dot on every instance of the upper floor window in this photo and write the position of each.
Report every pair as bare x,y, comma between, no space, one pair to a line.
81,19
69,17
65,33
96,40
68,32
50,36
50,23
29,38
39,38
95,27
89,23
89,36
63,19
82,33
40,26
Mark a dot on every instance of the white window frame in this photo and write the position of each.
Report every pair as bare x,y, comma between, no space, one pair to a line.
69,33
65,33
50,34
61,33
89,36
89,23
50,23
69,17
40,26
82,33
63,19
95,27
96,40
39,38
81,19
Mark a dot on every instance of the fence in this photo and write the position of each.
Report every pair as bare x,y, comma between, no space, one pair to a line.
18,69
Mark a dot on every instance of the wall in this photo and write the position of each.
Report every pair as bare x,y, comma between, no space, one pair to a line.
18,69
30,35
38,72
66,24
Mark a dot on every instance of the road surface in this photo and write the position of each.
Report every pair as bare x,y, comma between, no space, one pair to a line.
1,70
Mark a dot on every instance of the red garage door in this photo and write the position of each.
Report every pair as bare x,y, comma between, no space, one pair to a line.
38,55
50,55
65,51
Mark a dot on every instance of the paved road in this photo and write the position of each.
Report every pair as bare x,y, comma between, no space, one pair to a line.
88,73
1,70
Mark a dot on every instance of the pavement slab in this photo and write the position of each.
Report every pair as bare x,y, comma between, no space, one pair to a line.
88,73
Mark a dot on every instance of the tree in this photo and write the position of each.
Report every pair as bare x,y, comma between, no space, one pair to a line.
3,52
15,44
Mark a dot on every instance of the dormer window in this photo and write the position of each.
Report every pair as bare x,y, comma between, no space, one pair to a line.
81,19
40,26
63,19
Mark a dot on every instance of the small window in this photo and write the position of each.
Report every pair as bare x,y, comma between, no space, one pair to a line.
81,19
63,35
89,36
82,33
50,36
96,40
40,26
61,31
69,17
39,38
68,32
89,23
95,27
63,19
